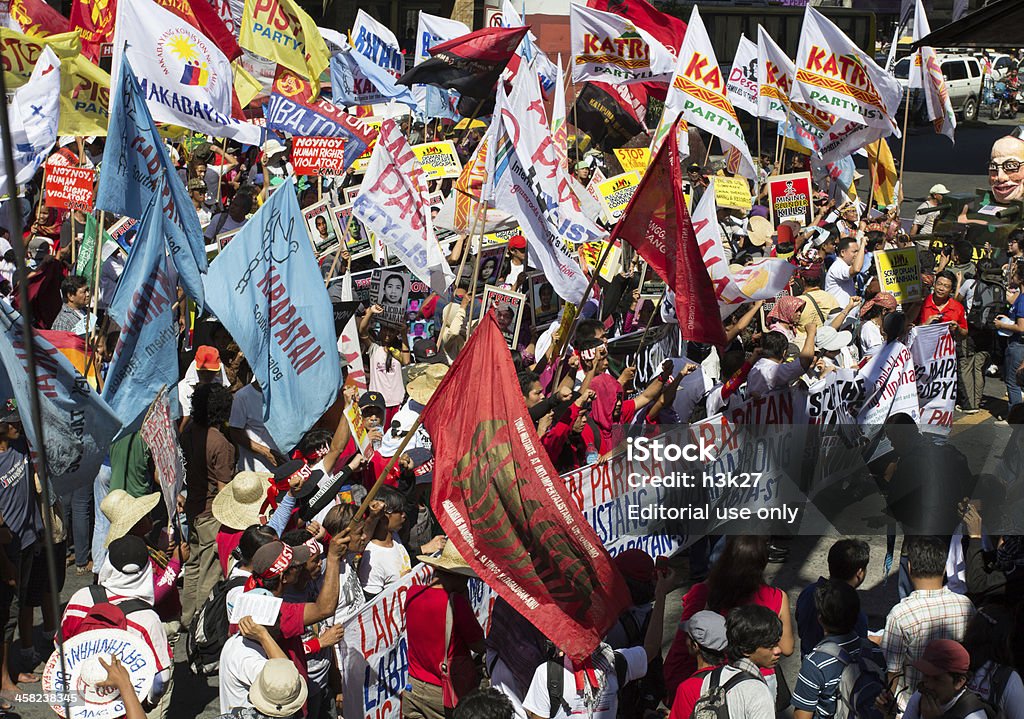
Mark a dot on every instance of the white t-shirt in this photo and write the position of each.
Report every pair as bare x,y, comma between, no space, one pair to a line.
350,596
513,274
389,384
747,699
247,414
600,704
839,283
383,566
767,375
925,222
241,661
871,339
1012,700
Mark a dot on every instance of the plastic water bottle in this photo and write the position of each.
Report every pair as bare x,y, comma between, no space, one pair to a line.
592,455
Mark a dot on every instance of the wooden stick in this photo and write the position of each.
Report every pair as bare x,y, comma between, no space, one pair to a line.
384,473
583,301
759,139
481,205
337,255
97,262
872,175
74,245
903,149
220,175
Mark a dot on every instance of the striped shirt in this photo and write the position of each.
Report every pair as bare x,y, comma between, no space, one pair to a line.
925,615
817,687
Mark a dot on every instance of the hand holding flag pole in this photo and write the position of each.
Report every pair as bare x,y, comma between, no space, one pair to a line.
358,516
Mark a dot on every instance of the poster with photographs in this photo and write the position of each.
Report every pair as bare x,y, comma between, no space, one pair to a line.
544,303
491,258
652,287
123,232
358,241
351,193
389,288
225,237
508,309
320,223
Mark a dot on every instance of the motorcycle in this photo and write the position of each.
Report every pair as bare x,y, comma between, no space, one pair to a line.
1005,102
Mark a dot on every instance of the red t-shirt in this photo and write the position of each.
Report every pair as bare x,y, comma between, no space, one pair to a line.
952,311
425,609
227,540
291,626
687,695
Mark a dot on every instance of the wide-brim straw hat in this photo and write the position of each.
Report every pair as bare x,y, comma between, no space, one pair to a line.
422,388
124,511
449,561
759,231
237,506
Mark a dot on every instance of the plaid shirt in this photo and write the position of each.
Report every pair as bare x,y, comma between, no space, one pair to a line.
925,615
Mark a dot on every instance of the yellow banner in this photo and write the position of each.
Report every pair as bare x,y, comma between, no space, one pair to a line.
360,163
634,158
899,272
247,87
280,30
733,192
439,159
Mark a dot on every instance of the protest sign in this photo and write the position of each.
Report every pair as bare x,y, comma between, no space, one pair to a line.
389,288
789,197
509,308
733,193
439,159
615,194
318,155
360,432
360,164
934,353
634,158
158,433
69,187
899,272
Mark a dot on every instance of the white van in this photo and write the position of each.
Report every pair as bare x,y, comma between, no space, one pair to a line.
963,81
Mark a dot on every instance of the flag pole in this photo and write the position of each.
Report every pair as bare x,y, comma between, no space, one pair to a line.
337,255
97,262
758,138
384,473
220,175
465,250
903,149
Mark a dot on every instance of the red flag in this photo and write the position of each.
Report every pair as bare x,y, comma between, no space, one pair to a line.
38,18
471,63
502,504
95,20
666,29
658,226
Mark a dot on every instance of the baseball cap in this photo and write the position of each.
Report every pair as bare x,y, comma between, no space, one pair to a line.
207,358
196,183
422,464
272,559
128,554
517,242
943,656
298,469
707,628
374,400
9,411
635,564
425,350
938,189
694,167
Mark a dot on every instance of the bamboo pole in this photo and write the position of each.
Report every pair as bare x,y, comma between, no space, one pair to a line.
903,148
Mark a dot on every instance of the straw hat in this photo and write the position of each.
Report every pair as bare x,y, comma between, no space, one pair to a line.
759,230
124,511
238,505
422,388
279,690
449,561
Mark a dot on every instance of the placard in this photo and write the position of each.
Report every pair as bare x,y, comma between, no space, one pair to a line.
789,198
320,224
360,163
389,288
69,188
899,272
318,155
357,241
123,232
652,287
545,304
360,432
634,158
615,194
439,159
508,309
733,193
502,236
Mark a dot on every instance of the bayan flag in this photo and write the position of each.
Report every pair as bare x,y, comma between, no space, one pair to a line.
742,84
835,75
95,20
775,75
145,358
760,281
281,31
93,241
34,110
528,184
502,505
698,94
925,73
355,80
265,287
432,30
658,226
137,166
77,425
293,109
599,112
609,48
470,64
666,29
394,204
185,78
36,17
883,170
378,44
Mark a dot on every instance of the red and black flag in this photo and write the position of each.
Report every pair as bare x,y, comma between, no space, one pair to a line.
600,113
470,63
501,502
658,226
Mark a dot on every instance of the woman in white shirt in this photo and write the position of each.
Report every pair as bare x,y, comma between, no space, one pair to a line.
871,316
386,355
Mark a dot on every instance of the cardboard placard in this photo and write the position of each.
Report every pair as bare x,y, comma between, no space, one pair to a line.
616,192
733,193
389,288
634,158
320,223
789,198
508,309
439,159
69,188
360,164
899,272
318,155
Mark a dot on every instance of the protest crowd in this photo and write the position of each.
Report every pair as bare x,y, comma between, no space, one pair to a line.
331,405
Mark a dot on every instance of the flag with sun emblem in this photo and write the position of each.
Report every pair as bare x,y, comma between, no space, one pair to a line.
501,503
185,77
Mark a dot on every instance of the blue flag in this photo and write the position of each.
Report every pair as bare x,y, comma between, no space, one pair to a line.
134,160
357,80
146,356
266,289
78,426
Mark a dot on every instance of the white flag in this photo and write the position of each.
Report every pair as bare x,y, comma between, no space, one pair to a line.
376,42
185,77
609,48
925,73
835,75
34,111
775,72
698,93
742,84
433,30
393,204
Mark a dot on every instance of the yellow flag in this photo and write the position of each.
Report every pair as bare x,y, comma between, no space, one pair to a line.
280,30
247,87
884,171
20,53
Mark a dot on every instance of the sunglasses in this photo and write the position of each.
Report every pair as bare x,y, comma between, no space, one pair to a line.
1009,167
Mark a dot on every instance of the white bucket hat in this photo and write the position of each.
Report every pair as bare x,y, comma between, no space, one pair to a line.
279,690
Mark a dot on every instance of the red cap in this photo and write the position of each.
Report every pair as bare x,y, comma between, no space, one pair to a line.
784,234
517,242
207,358
635,564
943,656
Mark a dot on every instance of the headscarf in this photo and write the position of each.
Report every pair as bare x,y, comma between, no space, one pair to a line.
885,300
785,316
608,391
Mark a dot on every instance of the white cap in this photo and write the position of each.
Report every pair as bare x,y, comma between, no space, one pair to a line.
828,339
938,189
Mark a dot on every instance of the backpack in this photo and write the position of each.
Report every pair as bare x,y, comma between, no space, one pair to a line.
712,703
861,682
104,614
989,300
208,631
643,694
556,682
968,703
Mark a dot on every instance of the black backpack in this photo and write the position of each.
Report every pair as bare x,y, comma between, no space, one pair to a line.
556,683
988,302
712,703
208,631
